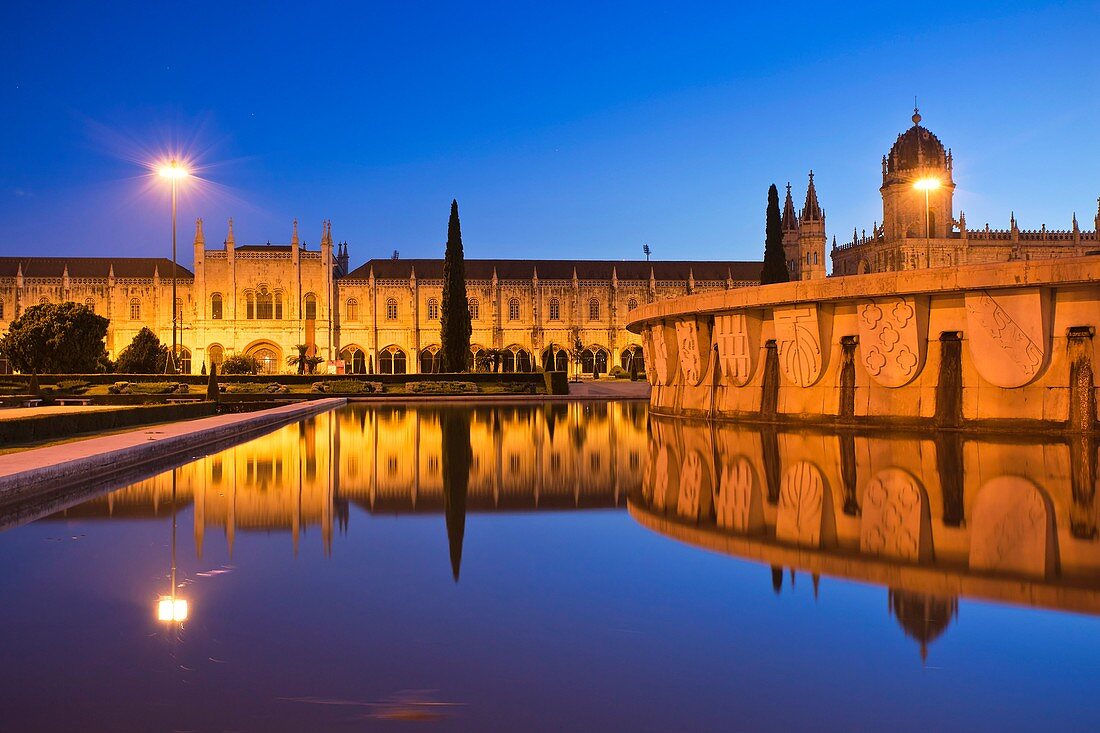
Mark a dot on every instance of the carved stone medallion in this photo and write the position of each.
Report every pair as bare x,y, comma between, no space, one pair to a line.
737,336
798,336
1010,528
693,341
892,338
801,505
1009,334
893,513
738,505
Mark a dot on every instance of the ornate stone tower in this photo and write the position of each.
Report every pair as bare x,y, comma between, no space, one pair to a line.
917,155
811,236
790,235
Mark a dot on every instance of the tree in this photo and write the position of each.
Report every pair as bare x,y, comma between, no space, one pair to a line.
62,338
145,355
775,260
304,362
213,392
454,323
457,455
240,364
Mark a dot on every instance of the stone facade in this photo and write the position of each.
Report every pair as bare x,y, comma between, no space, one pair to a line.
266,299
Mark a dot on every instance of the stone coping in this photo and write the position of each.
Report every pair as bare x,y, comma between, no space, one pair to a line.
937,580
1025,273
49,468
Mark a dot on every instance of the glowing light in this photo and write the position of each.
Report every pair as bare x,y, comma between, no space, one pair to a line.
171,609
173,170
927,184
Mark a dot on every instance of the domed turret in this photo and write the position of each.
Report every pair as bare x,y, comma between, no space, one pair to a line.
916,148
922,617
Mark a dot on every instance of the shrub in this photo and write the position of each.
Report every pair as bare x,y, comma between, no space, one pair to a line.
347,386
441,387
618,372
145,355
256,388
72,385
240,364
148,388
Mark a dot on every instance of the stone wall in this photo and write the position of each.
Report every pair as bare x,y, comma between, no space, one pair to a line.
985,345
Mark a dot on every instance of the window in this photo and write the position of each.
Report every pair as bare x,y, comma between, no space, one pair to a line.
179,313
135,309
632,304
513,309
391,310
555,309
279,305
1,310
429,361
269,361
216,306
594,309
184,361
355,361
265,305
391,361
215,354
43,300
249,305
433,309
89,304
475,309
311,307
352,310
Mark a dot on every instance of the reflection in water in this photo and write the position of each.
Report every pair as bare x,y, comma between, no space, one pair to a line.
398,460
931,519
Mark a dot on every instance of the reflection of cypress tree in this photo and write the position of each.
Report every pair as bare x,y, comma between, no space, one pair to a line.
777,579
457,455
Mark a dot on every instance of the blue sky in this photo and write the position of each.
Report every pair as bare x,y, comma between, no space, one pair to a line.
564,130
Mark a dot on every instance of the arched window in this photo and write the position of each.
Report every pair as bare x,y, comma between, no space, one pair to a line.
475,309
215,354
184,361
594,309
391,312
265,305
352,310
43,300
433,309
89,304
135,309
355,360
249,305
556,362
523,361
632,304
633,355
391,361
279,305
311,307
513,309
594,357
555,309
216,306
268,360
429,360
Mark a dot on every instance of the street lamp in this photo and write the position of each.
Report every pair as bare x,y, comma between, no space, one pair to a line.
174,171
927,185
171,608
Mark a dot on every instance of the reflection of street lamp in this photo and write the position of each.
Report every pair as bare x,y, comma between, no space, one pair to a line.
171,609
927,185
174,171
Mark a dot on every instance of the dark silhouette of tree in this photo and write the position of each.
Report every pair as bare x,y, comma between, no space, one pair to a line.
457,456
775,260
62,338
145,355
454,323
213,393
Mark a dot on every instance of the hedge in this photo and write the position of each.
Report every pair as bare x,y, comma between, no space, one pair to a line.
37,428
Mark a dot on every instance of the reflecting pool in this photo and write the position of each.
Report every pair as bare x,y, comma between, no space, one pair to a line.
571,566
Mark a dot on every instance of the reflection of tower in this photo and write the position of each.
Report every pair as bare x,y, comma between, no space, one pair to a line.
457,454
922,617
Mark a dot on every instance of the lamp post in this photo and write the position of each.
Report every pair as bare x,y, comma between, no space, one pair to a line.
171,608
174,171
927,185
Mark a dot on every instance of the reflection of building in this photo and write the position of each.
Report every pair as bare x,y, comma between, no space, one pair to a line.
928,519
389,460
266,299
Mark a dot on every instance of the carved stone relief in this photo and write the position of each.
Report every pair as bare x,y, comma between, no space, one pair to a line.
693,341
738,505
893,338
894,511
1010,528
798,336
737,336
1009,334
665,354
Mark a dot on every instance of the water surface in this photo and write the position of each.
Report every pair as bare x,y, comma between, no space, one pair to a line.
565,567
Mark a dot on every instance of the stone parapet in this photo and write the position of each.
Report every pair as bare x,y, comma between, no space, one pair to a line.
1004,345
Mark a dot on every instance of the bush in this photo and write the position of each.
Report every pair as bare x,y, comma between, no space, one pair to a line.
240,364
256,388
149,388
441,387
72,385
617,372
347,386
145,355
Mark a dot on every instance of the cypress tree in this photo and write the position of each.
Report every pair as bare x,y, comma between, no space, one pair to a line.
455,327
775,260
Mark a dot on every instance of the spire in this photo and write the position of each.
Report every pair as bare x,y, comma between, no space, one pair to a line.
811,211
790,219
916,113
200,240
230,243
294,236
